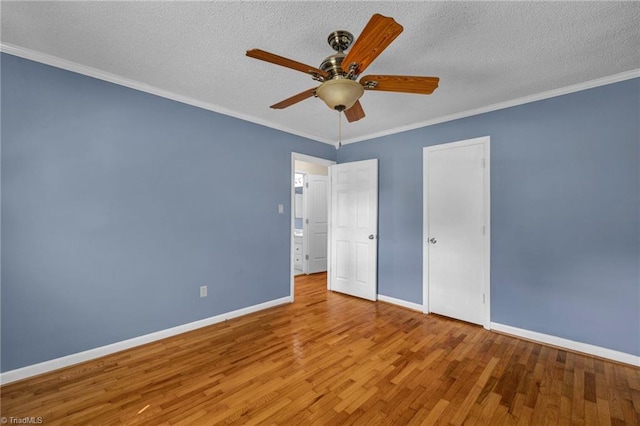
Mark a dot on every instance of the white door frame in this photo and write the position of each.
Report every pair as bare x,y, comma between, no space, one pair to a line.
485,141
308,159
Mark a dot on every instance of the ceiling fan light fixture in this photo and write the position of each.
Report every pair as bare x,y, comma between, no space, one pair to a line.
338,88
340,93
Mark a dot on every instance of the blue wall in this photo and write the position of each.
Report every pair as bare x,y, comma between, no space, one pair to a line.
118,205
565,213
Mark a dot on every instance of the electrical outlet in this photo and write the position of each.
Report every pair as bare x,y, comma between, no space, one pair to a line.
203,291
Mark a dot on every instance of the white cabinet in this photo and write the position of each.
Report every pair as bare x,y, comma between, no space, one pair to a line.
298,257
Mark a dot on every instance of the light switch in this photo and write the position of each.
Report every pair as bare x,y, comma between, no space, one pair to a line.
280,208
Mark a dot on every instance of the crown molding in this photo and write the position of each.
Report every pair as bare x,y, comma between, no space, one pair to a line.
136,85
143,87
627,75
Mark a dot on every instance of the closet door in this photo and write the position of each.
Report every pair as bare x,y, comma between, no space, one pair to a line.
456,230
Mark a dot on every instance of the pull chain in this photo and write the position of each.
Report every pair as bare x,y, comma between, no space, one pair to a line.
339,130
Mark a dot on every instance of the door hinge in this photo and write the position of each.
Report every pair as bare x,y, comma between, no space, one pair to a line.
306,184
483,163
484,230
484,299
306,221
306,256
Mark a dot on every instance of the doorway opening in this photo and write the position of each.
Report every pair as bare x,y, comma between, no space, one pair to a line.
310,189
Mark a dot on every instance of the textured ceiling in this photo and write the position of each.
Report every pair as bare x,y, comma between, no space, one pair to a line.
485,53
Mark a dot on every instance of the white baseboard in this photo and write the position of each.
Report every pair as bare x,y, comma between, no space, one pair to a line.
568,344
65,361
400,302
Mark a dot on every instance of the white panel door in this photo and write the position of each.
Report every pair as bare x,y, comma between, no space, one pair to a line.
456,230
316,222
354,225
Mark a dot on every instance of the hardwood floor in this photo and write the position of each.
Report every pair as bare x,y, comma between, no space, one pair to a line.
333,359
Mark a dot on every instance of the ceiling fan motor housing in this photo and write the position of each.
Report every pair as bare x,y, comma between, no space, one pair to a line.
333,66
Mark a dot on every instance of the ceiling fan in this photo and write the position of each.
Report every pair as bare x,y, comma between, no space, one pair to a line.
339,88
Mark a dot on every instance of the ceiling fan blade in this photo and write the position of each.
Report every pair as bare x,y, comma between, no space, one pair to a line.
379,32
294,99
400,83
354,113
285,62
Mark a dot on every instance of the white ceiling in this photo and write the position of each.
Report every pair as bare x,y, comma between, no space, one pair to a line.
485,53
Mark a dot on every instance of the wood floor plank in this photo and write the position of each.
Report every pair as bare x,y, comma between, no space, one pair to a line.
333,359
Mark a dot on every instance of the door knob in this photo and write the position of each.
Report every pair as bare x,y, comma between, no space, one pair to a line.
371,237
433,240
